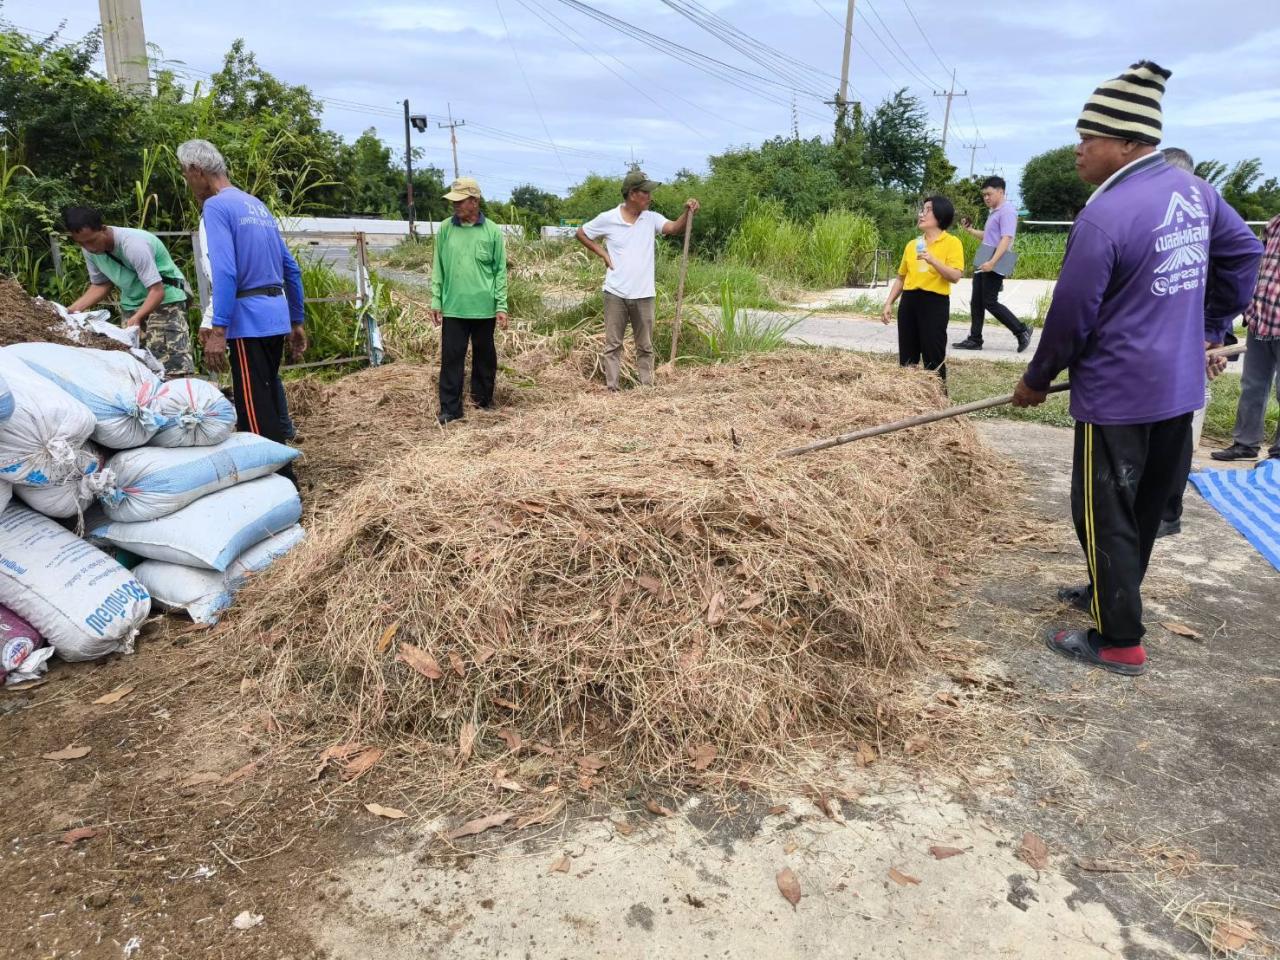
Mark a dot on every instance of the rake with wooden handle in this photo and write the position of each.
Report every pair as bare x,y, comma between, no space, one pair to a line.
948,413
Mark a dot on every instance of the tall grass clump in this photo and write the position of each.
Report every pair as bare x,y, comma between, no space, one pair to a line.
733,331
768,240
1040,255
841,248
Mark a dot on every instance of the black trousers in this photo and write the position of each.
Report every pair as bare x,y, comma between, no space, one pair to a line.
1121,481
922,330
258,392
986,293
455,334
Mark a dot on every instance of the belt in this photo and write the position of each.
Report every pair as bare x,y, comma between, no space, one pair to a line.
260,292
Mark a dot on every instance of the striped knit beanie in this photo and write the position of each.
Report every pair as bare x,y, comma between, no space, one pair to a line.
1128,107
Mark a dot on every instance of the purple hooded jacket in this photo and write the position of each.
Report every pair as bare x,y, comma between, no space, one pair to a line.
1130,315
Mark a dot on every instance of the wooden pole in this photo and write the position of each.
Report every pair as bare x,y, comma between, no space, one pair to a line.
684,268
947,413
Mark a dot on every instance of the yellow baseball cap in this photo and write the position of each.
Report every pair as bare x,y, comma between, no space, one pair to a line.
462,188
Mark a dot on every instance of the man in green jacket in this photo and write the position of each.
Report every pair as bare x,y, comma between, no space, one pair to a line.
468,297
153,291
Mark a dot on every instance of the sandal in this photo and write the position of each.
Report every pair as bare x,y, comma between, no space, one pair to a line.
1075,645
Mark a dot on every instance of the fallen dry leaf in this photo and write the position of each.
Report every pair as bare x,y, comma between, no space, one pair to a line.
560,866
391,813
915,744
702,756
866,754
592,763
247,684
1230,936
388,635
115,696
651,584
502,702
542,816
241,773
623,827
1181,629
690,658
483,654
480,825
420,660
751,601
72,837
339,751
506,783
715,609
68,753
789,885
777,809
658,809
361,763
902,879
511,739
586,782
1033,851
455,661
942,853
467,740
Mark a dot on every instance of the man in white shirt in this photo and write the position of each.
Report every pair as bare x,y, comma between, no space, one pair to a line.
628,231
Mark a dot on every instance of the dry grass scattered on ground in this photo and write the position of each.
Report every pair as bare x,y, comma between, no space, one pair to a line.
611,589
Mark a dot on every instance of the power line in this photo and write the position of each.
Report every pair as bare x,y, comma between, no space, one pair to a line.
915,67
857,42
924,35
528,86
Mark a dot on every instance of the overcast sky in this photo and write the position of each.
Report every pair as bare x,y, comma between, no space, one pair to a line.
549,94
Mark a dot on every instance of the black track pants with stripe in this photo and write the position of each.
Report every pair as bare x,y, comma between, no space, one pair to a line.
255,376
1121,480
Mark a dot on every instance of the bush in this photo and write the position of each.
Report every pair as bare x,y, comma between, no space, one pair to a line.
767,239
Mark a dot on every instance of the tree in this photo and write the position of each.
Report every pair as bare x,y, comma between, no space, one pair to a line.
371,181
938,170
543,205
899,142
1051,189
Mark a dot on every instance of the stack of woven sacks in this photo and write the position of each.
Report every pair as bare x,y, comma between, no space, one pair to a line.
117,488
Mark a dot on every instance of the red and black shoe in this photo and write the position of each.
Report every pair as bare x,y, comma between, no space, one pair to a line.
1081,645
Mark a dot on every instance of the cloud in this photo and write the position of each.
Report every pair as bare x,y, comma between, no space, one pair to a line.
404,17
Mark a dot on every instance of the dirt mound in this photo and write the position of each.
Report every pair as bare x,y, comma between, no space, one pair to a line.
26,320
625,587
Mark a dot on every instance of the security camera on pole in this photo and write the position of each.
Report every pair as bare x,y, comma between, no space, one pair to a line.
419,123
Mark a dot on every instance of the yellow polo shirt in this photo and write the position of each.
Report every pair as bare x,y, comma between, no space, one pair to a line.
918,275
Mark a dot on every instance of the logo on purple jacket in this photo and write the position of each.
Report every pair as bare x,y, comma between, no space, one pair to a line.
1184,241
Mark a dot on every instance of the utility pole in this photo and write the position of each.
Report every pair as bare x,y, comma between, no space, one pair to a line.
973,154
125,45
844,63
946,119
419,122
452,127
634,164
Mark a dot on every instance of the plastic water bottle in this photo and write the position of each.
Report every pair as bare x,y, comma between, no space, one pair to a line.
921,246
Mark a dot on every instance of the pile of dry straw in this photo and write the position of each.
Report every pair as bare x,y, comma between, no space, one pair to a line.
613,587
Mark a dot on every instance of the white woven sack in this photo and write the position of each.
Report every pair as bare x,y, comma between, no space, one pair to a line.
116,387
82,600
70,497
192,413
6,401
152,482
6,494
40,441
214,530
204,594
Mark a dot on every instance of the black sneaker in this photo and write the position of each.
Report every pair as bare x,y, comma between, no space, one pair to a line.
442,419
1237,451
1024,339
968,343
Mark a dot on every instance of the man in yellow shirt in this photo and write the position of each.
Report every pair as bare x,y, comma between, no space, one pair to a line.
930,264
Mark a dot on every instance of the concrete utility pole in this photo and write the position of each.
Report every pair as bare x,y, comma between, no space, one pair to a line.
844,63
452,127
125,45
946,119
973,154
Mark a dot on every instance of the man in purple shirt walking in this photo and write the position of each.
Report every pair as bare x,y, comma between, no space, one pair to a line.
991,268
1130,320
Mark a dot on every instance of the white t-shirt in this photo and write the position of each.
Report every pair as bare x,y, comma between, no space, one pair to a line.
631,248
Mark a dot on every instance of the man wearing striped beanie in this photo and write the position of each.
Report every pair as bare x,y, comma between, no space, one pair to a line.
1131,318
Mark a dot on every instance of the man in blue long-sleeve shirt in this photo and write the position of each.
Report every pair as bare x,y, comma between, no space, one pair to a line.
1130,320
257,292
